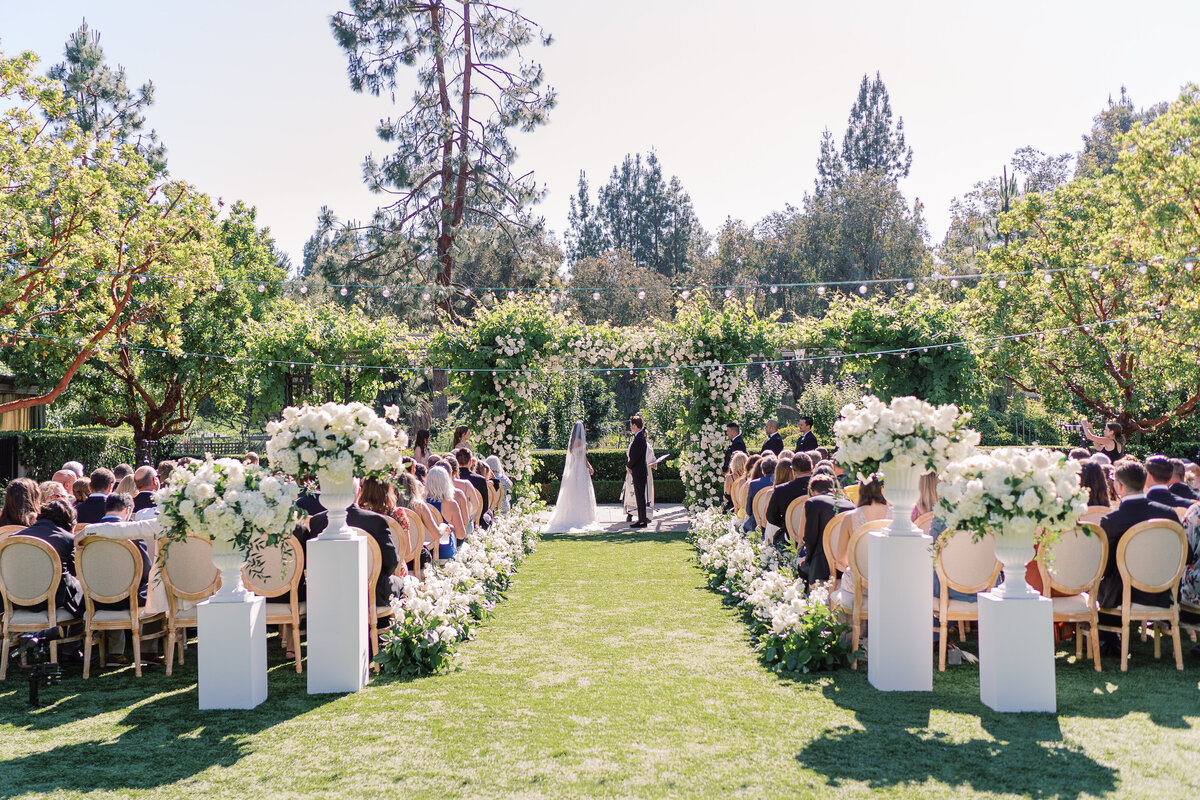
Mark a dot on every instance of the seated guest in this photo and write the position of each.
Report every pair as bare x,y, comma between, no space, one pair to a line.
165,468
872,506
1092,478
251,459
80,490
737,468
22,499
505,481
1179,484
67,478
937,529
54,524
146,479
774,442
1159,474
126,485
783,476
410,494
927,495
784,494
1080,454
821,507
120,471
464,458
118,507
376,526
92,509
462,491
76,467
421,449
764,477
1134,508
379,495
439,493
52,490
420,471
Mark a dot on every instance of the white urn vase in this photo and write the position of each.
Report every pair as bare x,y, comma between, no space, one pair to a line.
1014,549
229,561
337,494
902,486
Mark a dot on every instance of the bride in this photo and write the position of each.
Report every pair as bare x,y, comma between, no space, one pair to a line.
576,506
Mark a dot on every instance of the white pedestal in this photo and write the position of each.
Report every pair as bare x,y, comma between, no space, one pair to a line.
1016,653
232,657
900,613
339,651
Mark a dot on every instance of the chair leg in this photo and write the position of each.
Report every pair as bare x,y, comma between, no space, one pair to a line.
1175,638
296,645
1157,640
169,648
1078,643
1124,643
1094,640
943,634
87,651
183,637
4,656
854,639
135,634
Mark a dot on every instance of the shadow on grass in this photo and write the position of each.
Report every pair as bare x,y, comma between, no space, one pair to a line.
149,743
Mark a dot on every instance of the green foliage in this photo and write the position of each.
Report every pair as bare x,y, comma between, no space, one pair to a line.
823,400
1103,144
42,453
620,281
548,465
576,397
936,374
822,643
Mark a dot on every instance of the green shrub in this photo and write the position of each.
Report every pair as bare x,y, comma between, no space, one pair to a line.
42,453
607,464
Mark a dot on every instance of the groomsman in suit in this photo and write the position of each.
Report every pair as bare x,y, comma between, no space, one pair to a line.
774,442
734,432
1178,481
819,509
92,509
636,466
1130,480
1159,474
808,439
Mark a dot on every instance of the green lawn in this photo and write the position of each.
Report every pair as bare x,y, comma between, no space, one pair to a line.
610,671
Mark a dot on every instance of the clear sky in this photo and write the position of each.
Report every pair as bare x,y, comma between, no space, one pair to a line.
253,102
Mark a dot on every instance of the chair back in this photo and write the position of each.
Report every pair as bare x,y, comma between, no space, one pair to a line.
278,568
416,533
741,488
924,522
761,500
831,539
856,551
30,571
493,496
1151,554
967,565
792,518
1094,513
400,541
851,492
437,516
1076,562
6,530
500,492
108,569
188,571
475,502
374,560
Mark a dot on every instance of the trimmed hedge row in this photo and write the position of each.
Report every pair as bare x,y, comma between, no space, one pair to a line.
42,453
608,465
665,491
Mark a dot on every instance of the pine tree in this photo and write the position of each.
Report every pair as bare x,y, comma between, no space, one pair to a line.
872,143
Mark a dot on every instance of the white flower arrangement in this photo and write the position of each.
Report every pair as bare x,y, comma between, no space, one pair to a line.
908,430
342,441
1012,490
226,501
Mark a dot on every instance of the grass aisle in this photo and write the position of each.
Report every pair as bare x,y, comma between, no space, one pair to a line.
609,671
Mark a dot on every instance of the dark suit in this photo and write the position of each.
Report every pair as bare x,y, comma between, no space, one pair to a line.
1184,491
753,488
783,497
1115,523
640,472
140,544
70,592
481,485
774,444
376,525
735,444
818,511
806,442
1165,497
309,503
142,501
90,510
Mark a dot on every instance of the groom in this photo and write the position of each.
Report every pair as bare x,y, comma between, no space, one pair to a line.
636,467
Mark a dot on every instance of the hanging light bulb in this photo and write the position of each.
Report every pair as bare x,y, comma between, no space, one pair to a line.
1095,274
511,294
774,290
261,288
862,289
303,290
1002,283
343,291
467,292
685,294
1047,277
1142,268
220,287
425,296
143,279
910,286
954,283
62,273
595,295
821,290
729,292
641,294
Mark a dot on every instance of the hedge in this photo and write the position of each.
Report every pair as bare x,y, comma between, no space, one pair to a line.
665,491
609,465
42,453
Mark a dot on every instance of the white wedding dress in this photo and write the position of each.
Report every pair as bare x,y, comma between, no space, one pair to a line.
575,509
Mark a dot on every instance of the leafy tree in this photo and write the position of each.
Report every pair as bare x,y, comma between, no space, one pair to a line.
1134,357
105,108
620,280
871,142
85,225
1100,145
453,159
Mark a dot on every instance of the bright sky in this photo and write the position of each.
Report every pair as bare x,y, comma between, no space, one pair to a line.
253,102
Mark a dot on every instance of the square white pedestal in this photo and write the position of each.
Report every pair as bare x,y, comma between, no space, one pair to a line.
900,613
339,652
232,657
1016,653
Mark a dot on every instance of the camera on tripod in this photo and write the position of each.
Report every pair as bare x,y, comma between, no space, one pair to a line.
32,654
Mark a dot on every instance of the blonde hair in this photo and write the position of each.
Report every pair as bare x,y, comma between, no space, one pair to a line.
127,485
737,464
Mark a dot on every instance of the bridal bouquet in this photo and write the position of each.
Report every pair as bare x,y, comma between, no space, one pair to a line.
908,431
1012,490
337,440
226,501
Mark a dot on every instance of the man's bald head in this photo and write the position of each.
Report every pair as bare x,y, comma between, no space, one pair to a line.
67,478
145,477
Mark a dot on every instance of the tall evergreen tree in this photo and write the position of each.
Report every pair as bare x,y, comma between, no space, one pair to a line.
585,237
1100,148
872,143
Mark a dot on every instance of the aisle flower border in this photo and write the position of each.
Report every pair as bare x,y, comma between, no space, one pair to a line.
437,613
794,630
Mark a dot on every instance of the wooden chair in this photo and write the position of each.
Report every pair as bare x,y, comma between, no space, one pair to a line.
374,612
475,504
1093,514
851,493
189,577
1150,557
1075,565
831,539
79,527
500,492
110,571
761,500
6,530
401,541
965,565
30,571
924,522
279,570
741,487
793,520
855,603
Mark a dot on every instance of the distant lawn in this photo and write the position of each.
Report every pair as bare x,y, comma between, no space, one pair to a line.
609,672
